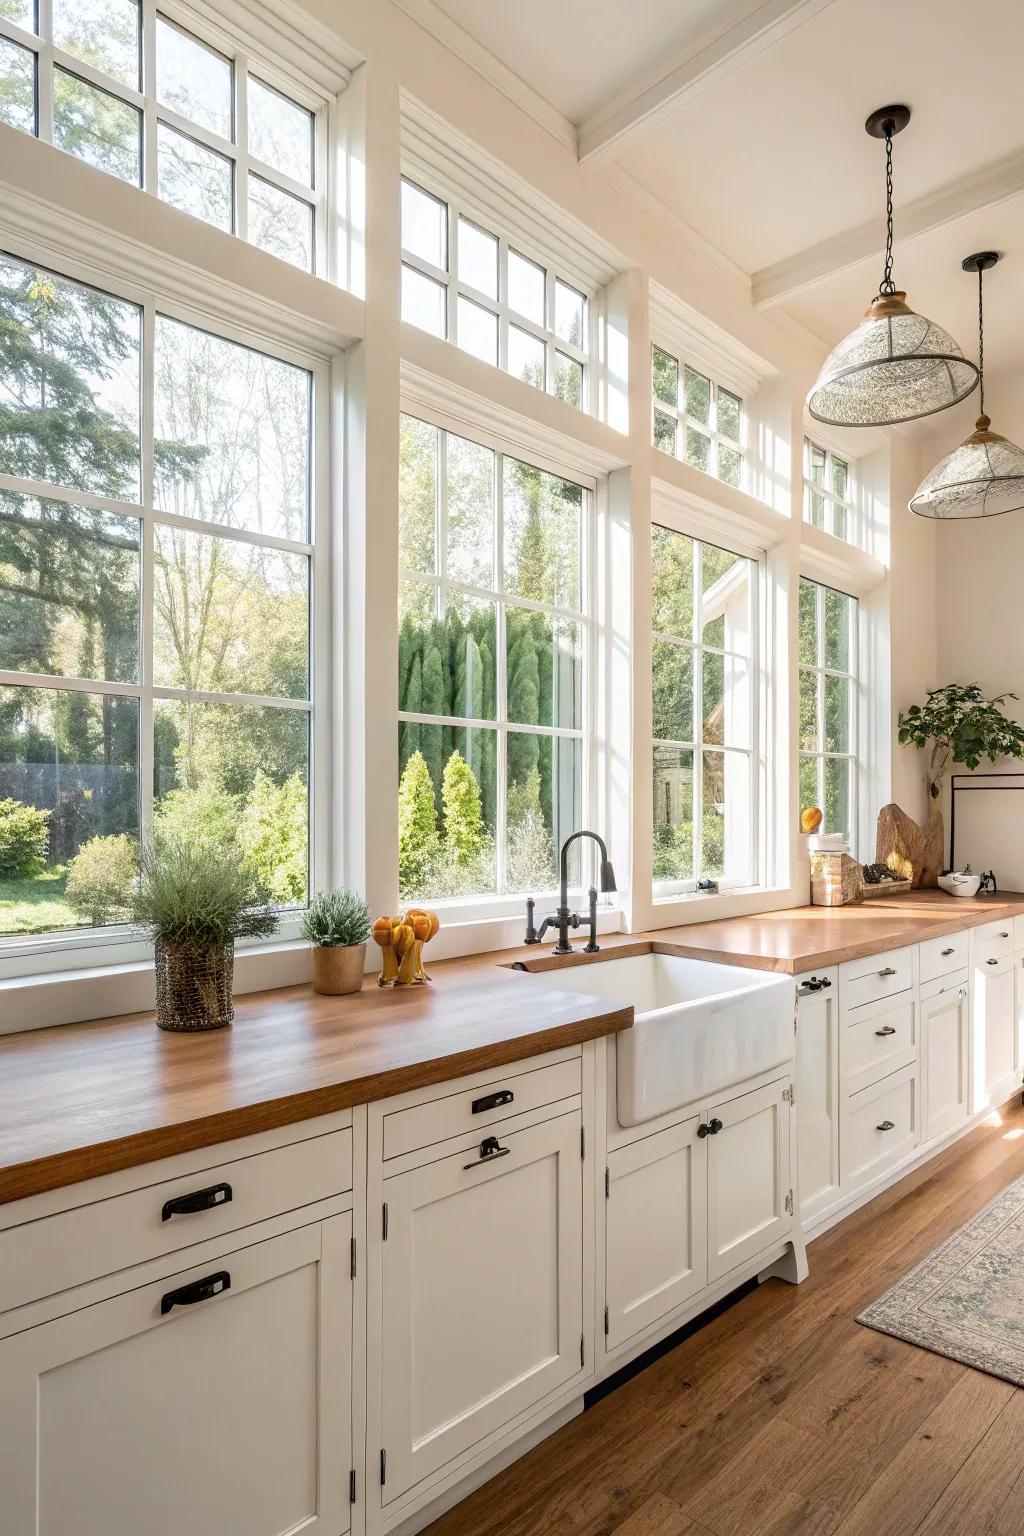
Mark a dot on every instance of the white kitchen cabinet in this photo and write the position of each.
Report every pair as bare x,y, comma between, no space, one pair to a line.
656,1228
994,1055
880,1127
482,1292
750,1198
945,1056
817,1091
215,1399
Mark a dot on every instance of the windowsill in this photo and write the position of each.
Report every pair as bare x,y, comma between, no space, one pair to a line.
77,994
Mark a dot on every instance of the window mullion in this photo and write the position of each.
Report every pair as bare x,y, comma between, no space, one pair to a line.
44,76
150,176
240,73
147,744
501,680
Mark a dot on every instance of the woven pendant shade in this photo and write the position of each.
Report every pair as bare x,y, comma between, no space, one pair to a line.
896,366
983,477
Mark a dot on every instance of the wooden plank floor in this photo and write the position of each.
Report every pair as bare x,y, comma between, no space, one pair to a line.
785,1417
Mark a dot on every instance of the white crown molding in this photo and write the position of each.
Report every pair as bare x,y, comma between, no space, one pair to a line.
486,64
474,397
837,564
445,162
285,35
710,510
104,231
693,71
616,175
705,345
995,183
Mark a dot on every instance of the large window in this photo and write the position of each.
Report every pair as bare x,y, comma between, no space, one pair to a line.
131,92
155,555
704,670
828,705
828,491
697,419
463,283
493,654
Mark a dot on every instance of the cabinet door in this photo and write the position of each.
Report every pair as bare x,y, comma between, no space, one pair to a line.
993,1031
656,1228
749,1186
817,1098
227,1415
944,1061
482,1304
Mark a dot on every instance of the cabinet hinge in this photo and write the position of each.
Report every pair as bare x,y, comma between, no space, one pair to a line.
384,1223
582,1349
789,1203
352,1259
352,1486
383,1467
583,1143
788,1096
607,1183
606,1322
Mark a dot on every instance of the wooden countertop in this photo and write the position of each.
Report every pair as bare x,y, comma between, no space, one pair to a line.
86,1099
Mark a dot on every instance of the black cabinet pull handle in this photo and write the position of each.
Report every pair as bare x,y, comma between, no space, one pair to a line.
890,970
196,1200
490,1148
949,951
991,962
492,1101
1004,935
712,1128
886,1029
199,1290
886,1125
702,1130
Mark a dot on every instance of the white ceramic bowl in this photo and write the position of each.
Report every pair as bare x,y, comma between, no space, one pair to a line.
960,885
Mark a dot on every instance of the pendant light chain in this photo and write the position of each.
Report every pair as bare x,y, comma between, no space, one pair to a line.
981,340
887,285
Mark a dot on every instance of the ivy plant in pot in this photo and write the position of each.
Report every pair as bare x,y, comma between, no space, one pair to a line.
194,897
338,926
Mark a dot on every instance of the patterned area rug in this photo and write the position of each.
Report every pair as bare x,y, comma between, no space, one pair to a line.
967,1299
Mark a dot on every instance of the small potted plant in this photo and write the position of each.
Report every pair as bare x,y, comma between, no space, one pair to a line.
195,897
338,926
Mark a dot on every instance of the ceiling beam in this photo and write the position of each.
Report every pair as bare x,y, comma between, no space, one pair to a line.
994,183
691,74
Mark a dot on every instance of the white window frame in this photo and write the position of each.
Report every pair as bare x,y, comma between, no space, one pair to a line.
667,890
455,288
499,904
244,62
56,950
855,695
679,415
833,504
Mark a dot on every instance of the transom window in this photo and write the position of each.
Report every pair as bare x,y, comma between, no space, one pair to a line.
828,491
828,705
127,89
464,284
494,643
704,671
697,419
155,598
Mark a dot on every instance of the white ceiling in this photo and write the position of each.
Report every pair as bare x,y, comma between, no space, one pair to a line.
765,155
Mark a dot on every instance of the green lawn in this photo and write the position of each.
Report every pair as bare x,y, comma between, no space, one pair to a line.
36,904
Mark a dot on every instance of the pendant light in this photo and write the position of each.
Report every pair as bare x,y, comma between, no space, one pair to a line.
896,366
985,475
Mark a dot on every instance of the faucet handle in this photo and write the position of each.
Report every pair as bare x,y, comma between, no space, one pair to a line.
531,936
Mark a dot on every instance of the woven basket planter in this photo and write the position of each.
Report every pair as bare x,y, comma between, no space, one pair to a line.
193,987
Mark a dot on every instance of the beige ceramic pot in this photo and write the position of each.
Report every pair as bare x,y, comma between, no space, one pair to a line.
338,968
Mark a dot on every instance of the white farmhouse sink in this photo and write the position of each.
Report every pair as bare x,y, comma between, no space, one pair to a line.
698,1027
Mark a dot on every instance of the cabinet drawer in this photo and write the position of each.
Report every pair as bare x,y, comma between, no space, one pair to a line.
471,1109
874,1044
57,1252
941,956
880,1127
992,941
875,977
